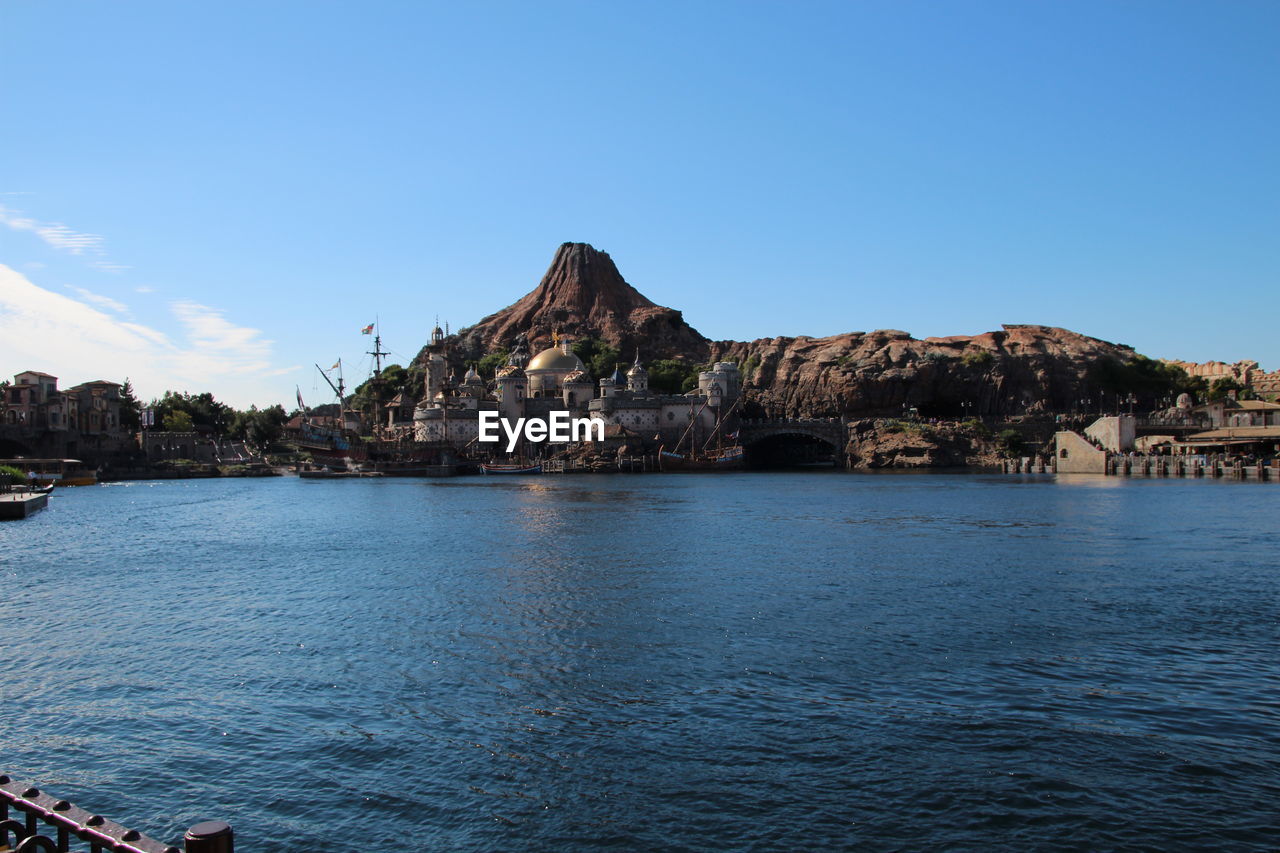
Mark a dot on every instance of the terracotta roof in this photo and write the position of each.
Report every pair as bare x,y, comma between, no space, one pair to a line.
1249,433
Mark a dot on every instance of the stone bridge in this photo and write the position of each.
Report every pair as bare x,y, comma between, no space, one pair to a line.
832,431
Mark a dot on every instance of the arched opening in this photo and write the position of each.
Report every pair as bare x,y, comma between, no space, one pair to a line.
10,449
791,451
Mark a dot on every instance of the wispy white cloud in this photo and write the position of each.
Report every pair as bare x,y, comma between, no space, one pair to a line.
108,266
63,238
56,234
99,300
76,339
158,338
217,342
142,288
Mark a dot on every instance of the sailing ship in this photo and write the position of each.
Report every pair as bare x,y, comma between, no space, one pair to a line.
329,441
722,457
338,444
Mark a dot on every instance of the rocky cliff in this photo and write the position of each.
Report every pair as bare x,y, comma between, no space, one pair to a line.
1019,369
584,295
1016,370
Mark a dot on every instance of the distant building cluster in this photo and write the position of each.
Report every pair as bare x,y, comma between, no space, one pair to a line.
556,380
1247,374
33,403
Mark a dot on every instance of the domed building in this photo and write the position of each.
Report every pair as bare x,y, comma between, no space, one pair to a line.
556,380
548,369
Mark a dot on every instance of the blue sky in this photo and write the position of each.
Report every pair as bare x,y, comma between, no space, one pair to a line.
213,196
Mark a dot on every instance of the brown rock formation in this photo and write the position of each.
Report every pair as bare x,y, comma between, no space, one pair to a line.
1020,369
892,444
1017,370
584,295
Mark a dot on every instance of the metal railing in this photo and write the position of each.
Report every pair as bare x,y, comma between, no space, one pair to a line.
101,835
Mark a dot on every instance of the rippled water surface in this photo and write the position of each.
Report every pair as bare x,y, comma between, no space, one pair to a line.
765,662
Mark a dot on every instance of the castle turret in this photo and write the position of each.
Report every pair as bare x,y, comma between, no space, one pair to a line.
638,377
577,389
512,387
611,385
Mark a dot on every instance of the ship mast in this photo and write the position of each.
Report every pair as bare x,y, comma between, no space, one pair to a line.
376,380
337,389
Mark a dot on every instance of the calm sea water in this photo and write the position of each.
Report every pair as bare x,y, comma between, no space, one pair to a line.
762,662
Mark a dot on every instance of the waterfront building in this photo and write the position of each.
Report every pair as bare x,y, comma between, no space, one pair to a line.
1230,412
34,403
556,380
628,402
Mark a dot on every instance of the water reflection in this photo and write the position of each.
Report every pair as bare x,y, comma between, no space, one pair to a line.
653,662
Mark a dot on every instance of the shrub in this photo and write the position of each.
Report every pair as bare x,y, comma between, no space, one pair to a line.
977,358
12,476
670,376
490,364
1010,441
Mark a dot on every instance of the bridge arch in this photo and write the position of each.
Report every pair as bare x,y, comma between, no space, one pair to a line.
793,445
10,448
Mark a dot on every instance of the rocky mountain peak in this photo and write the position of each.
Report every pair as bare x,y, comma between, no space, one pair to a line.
582,294
585,281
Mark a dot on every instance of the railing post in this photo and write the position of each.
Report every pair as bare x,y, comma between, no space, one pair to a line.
211,836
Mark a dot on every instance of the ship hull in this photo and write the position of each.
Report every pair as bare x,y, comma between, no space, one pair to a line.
511,469
728,459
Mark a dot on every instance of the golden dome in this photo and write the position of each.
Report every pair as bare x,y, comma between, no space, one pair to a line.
555,359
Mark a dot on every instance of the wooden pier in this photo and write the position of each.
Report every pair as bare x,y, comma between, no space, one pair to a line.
1161,466
15,505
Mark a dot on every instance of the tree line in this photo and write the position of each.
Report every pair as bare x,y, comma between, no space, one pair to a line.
185,412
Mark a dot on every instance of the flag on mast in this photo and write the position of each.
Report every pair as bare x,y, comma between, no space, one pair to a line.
336,364
367,330
301,405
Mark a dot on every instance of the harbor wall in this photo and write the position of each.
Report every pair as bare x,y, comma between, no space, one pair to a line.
1074,455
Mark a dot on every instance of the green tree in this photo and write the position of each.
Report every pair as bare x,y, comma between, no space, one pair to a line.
672,376
392,380
1010,442
415,381
1149,380
259,426
178,421
488,366
203,410
130,407
1222,388
599,358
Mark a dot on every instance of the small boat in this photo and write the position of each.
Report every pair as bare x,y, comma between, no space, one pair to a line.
63,472
726,459
518,468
